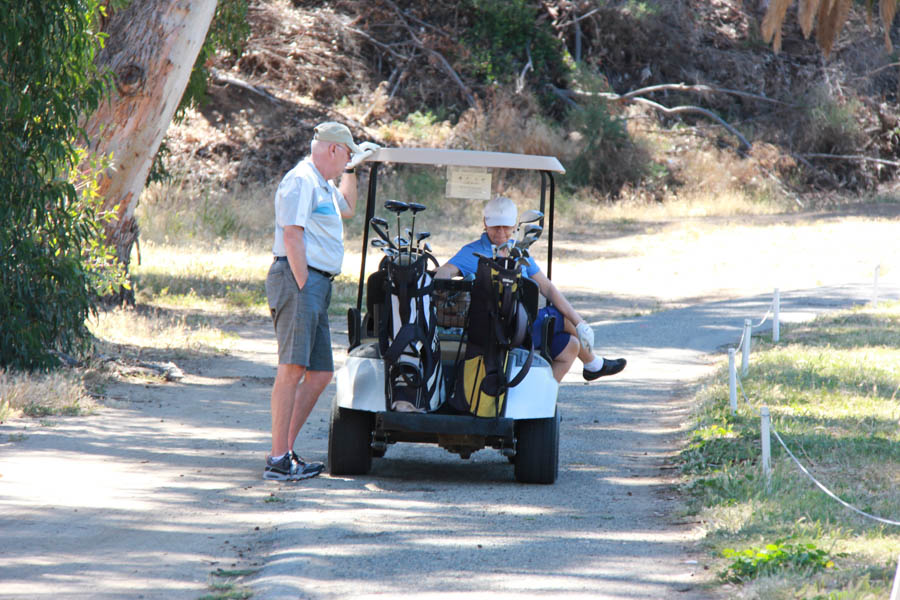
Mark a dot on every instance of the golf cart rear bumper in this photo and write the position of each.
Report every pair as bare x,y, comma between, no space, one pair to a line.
432,425
460,434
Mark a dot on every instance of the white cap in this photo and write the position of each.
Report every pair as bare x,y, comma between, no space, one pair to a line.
500,211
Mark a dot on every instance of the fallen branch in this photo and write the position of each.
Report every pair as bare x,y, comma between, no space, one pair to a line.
563,95
377,43
221,79
577,19
680,87
880,161
663,109
696,109
435,54
520,81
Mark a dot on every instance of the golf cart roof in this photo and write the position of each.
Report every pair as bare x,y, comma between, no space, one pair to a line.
467,158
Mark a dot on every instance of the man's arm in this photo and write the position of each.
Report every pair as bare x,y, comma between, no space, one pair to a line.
348,190
446,271
295,249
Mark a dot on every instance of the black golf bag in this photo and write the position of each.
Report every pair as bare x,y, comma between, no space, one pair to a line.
408,337
497,322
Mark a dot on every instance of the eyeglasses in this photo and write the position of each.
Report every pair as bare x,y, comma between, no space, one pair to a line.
346,149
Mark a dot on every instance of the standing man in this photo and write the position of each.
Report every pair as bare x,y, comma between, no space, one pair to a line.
308,252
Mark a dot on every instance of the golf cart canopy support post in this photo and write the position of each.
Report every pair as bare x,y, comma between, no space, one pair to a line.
545,165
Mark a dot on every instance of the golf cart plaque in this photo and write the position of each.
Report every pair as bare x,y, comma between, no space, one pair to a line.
469,182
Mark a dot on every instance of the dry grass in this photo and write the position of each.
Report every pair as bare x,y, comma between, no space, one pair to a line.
39,395
510,123
178,333
182,212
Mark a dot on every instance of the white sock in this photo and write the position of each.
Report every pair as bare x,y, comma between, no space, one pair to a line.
276,459
594,365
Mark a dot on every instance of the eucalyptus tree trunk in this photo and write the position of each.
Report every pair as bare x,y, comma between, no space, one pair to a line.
150,51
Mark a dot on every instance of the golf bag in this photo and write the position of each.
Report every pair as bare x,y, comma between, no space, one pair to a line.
497,322
408,337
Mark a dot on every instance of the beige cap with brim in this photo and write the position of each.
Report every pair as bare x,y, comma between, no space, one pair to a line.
332,131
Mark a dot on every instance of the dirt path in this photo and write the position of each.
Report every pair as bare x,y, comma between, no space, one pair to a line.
152,496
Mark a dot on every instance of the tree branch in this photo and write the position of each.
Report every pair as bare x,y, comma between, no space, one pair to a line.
880,161
520,81
680,87
669,111
696,109
377,43
577,19
435,54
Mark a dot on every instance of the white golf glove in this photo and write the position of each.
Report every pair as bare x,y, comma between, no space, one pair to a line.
366,149
585,335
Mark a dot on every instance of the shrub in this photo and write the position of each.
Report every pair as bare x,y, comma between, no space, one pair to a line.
606,157
46,228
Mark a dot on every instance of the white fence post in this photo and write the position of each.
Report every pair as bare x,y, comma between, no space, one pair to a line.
766,441
895,592
732,381
745,351
875,288
776,312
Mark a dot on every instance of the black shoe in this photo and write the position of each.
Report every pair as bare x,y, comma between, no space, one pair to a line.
306,470
290,468
611,366
282,470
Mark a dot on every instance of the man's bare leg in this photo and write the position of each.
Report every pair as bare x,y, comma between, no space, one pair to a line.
305,399
284,391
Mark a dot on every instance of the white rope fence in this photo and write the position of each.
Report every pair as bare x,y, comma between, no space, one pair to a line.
766,429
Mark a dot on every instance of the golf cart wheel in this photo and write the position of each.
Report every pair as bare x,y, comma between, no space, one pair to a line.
349,441
537,450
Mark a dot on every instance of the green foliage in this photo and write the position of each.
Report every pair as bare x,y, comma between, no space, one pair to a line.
829,124
228,31
831,386
755,562
47,82
502,34
607,157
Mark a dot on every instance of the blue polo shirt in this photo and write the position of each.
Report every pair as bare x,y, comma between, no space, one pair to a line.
466,261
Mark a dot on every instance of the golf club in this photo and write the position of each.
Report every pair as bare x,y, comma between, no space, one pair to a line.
396,207
380,227
421,236
529,216
414,207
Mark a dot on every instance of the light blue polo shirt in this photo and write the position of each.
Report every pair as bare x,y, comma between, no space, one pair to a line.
306,199
466,261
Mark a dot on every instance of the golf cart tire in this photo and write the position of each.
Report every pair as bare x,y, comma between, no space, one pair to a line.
350,442
537,450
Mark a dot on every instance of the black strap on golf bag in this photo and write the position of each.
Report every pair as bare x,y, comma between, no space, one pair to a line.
497,322
408,337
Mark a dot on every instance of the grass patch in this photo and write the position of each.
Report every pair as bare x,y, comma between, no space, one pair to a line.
38,395
223,587
832,387
170,333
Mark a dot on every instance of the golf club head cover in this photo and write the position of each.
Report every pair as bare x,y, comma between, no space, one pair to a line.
585,335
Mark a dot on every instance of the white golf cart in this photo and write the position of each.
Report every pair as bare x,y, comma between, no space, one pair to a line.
363,424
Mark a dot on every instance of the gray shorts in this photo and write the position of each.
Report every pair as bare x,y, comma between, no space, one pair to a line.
300,317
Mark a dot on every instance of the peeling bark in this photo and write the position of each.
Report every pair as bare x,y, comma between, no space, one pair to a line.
151,51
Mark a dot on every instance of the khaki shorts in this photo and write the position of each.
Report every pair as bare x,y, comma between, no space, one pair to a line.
300,317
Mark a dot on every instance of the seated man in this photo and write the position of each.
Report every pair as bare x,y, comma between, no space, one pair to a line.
572,337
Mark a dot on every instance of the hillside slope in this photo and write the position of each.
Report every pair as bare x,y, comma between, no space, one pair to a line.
372,65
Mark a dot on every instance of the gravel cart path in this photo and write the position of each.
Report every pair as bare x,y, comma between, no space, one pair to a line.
159,495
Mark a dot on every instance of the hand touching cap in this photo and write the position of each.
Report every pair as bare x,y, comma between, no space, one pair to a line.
366,149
